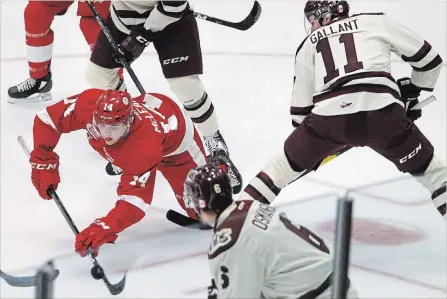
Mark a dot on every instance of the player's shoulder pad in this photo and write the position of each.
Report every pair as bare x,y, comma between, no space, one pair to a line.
228,232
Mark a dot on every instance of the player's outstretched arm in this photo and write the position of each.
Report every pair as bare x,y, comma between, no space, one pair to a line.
48,126
135,193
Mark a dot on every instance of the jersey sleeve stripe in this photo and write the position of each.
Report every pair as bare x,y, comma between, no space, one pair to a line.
430,66
174,6
46,119
421,54
135,201
256,195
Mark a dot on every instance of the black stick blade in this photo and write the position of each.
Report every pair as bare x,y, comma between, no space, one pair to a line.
24,281
185,221
117,288
252,18
243,25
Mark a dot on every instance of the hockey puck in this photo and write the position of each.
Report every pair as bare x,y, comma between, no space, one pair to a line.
97,272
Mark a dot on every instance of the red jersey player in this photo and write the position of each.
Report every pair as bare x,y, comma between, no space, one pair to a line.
39,16
140,135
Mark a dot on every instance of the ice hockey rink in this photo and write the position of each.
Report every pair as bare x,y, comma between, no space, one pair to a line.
398,241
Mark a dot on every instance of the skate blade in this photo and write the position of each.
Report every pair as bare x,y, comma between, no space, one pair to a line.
38,98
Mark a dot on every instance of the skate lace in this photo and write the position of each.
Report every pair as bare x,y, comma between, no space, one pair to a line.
211,144
26,85
214,143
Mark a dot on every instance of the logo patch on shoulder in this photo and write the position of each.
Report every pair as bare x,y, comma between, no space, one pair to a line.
221,239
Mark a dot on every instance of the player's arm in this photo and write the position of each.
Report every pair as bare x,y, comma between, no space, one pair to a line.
238,273
425,61
48,126
54,120
303,85
135,192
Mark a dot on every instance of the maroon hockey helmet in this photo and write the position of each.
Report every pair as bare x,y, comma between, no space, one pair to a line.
322,9
208,188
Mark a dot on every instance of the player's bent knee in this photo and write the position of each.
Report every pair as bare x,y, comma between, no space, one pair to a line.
188,89
38,17
103,78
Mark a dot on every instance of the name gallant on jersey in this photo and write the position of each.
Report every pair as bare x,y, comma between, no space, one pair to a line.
336,28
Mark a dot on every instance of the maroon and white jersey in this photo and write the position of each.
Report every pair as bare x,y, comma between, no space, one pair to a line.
257,252
345,66
153,15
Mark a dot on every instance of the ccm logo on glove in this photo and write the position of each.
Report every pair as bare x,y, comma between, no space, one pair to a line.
44,166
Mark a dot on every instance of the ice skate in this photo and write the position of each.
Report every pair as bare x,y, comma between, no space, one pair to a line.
218,154
31,90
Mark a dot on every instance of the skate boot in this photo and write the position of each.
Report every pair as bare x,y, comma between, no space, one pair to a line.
219,155
113,170
31,90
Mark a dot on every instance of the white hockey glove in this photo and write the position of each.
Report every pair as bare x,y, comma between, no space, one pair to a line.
164,14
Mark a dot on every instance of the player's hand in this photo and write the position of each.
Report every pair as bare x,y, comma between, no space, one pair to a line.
44,171
134,44
413,114
94,236
409,96
408,91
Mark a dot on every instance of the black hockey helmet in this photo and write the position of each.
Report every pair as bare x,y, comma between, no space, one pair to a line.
208,188
322,9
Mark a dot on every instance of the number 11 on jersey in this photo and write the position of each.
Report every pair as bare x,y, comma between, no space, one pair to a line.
324,47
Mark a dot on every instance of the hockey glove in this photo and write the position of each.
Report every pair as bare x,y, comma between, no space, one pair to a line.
94,236
44,171
409,96
134,44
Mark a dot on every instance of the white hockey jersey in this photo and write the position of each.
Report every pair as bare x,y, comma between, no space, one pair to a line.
345,66
257,252
127,14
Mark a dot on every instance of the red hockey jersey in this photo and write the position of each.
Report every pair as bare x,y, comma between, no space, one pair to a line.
160,128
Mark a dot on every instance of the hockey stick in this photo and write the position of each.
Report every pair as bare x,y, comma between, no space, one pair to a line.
243,25
97,271
184,221
114,46
24,281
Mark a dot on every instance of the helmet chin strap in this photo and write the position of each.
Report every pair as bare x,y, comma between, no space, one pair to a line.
305,23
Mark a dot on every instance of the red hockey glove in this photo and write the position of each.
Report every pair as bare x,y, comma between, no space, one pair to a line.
45,171
94,236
